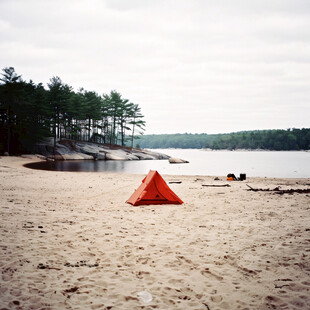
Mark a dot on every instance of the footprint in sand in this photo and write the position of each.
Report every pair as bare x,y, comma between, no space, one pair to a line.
216,298
273,301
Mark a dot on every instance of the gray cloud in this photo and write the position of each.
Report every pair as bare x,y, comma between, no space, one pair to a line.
192,66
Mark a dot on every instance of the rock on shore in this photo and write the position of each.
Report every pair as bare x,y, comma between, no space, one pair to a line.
175,160
71,150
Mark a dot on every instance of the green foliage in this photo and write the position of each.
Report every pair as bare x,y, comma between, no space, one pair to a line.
136,122
24,113
290,139
29,113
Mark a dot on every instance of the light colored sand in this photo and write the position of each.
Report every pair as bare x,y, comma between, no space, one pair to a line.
224,248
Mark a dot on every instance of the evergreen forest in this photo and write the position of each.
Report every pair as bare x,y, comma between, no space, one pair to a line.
30,112
290,139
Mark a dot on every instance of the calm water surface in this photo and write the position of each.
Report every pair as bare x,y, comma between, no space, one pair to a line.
215,163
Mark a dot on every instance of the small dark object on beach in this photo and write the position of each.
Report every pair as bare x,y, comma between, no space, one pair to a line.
81,263
206,305
42,266
280,286
175,182
232,176
70,290
242,177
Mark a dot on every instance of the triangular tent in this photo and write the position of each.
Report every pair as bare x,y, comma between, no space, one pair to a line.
154,191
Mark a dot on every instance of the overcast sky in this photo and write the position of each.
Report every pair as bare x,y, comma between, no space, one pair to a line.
196,66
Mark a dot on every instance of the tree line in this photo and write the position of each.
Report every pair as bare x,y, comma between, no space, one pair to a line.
290,139
29,113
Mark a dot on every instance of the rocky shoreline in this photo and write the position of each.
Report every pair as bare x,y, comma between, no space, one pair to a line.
77,150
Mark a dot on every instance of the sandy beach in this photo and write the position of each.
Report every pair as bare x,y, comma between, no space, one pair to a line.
69,241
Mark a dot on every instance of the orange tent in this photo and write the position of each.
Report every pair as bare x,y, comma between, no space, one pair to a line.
153,191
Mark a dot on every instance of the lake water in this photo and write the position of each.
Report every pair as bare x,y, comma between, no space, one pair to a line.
201,162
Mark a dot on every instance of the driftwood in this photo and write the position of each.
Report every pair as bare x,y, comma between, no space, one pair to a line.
216,185
282,280
175,182
279,191
42,266
206,305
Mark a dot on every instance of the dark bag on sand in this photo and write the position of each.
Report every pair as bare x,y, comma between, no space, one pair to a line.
242,177
231,176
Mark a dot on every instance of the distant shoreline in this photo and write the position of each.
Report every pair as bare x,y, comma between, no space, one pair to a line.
277,139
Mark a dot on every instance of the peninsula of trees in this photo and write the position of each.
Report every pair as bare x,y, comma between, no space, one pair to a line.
290,139
29,112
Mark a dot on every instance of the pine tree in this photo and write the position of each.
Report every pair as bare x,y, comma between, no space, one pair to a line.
136,122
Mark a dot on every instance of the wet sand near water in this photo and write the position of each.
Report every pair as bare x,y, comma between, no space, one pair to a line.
69,241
